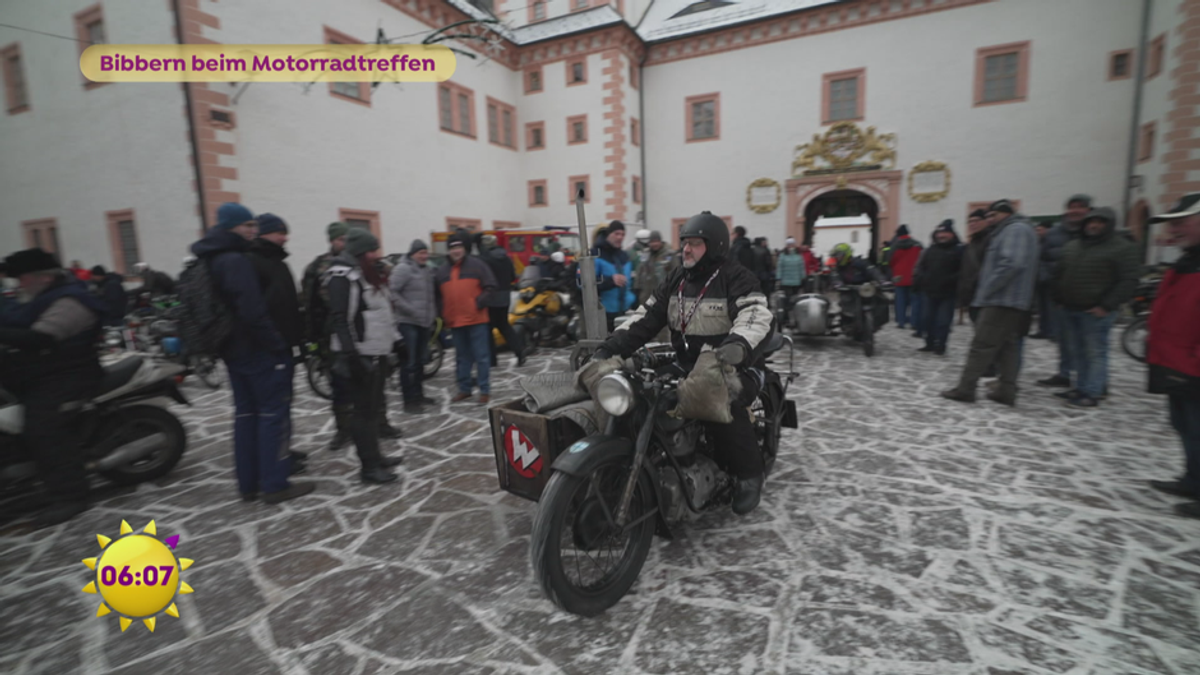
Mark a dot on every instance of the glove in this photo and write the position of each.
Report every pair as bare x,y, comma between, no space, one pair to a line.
708,391
592,371
731,353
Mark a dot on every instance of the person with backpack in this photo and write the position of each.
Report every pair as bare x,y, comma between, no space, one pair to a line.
226,315
315,299
362,336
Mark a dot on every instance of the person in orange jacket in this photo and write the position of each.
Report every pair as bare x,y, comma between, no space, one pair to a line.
463,287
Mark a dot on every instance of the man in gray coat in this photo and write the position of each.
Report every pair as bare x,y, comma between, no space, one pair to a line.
1005,301
416,309
1064,232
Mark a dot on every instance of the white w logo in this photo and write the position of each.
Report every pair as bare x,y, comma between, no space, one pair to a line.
523,455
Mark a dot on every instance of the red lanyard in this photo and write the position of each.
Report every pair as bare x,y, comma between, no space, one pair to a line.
685,320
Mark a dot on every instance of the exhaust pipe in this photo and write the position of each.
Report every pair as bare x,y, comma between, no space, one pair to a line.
129,452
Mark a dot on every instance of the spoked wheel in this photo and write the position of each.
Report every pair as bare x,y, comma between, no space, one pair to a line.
319,377
767,417
1133,338
584,563
207,369
434,364
868,333
146,424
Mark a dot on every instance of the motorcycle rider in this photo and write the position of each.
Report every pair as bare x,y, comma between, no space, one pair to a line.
54,324
851,269
711,303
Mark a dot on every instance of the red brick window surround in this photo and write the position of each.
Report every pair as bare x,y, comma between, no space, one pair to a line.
533,80
502,124
574,183
843,96
703,114
635,131
456,109
637,190
123,238
90,30
535,136
358,92
577,131
1158,53
576,71
1146,140
580,5
1002,74
42,233
16,91
468,224
366,220
1120,64
537,193
537,11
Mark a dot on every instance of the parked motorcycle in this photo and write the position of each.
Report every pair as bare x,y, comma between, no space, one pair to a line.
609,493
862,310
542,314
129,435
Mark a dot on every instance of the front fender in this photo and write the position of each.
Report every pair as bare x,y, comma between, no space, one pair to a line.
584,455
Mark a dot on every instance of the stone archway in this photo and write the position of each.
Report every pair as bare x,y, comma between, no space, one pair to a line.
882,186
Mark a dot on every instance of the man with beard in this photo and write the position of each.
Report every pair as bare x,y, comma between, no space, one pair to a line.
1065,231
711,303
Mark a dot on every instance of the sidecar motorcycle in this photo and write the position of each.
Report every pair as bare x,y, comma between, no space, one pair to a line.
861,310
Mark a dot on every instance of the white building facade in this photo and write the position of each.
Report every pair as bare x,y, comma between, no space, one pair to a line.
770,114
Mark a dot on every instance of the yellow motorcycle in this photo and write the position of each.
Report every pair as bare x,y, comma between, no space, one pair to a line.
542,312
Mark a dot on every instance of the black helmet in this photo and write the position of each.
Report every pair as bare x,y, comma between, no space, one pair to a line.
711,229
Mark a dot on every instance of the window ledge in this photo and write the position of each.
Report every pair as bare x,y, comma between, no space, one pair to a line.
352,99
458,133
701,140
844,119
18,110
501,145
1020,99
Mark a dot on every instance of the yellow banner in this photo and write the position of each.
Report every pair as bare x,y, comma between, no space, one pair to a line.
267,63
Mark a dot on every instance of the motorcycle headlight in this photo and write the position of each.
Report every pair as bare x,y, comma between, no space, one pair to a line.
867,290
615,394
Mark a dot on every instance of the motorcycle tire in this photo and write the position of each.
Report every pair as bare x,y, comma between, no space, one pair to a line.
868,334
158,463
207,369
575,506
434,364
768,424
319,378
1133,338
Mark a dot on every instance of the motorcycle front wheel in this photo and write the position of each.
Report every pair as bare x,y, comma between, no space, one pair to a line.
1133,339
138,422
582,561
868,333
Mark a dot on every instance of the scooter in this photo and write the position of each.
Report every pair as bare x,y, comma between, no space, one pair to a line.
129,435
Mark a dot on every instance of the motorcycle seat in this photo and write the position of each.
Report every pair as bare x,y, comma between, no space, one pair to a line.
119,374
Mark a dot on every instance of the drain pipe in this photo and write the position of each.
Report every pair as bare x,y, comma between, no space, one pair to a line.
190,105
642,140
1135,126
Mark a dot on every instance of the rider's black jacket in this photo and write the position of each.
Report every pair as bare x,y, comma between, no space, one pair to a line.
732,309
41,355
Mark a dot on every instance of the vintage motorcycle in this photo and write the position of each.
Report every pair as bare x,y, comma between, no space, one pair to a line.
648,472
129,435
862,310
542,314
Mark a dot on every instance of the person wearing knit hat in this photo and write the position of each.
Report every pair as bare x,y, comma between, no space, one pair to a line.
231,215
335,231
614,273
362,336
464,286
937,274
903,261
414,299
269,223
1053,248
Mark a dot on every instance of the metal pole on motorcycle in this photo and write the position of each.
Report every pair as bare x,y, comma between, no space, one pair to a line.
595,324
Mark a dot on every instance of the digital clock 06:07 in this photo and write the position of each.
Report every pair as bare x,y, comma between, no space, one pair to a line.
150,574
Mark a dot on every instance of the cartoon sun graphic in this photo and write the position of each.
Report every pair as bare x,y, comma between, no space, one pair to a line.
137,576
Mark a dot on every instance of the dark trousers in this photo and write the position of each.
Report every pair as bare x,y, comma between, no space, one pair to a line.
498,319
939,314
918,313
1047,316
52,436
1185,417
904,304
262,425
997,340
367,401
412,371
734,445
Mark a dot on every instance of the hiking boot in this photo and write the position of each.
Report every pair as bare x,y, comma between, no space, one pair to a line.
290,492
957,395
390,432
59,513
1068,394
940,350
248,496
1174,487
927,348
460,397
1188,510
995,395
1055,381
1083,401
485,399
378,476
389,462
747,495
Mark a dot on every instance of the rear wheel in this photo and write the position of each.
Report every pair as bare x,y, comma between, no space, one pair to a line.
1133,338
582,561
867,331
319,378
136,423
767,415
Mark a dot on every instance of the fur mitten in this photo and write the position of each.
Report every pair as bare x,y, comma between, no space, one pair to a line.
708,391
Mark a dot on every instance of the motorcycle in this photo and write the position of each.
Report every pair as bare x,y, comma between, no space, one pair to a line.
608,494
542,315
862,310
129,435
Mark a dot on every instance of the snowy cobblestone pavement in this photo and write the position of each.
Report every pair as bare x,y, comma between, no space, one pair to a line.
901,534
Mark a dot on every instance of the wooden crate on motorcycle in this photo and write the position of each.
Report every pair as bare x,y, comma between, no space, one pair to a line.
526,445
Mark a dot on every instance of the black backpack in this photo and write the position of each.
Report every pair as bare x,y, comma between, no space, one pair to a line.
205,320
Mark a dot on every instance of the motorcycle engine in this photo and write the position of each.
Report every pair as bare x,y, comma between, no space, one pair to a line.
703,479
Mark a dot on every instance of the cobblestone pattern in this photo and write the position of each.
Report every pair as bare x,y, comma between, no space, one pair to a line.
900,534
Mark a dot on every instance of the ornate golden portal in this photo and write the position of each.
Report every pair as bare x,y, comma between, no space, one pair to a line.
845,147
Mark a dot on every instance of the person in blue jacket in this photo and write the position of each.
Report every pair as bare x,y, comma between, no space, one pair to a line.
614,273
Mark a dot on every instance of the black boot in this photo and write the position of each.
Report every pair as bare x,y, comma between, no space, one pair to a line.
386,430
341,416
747,494
378,476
